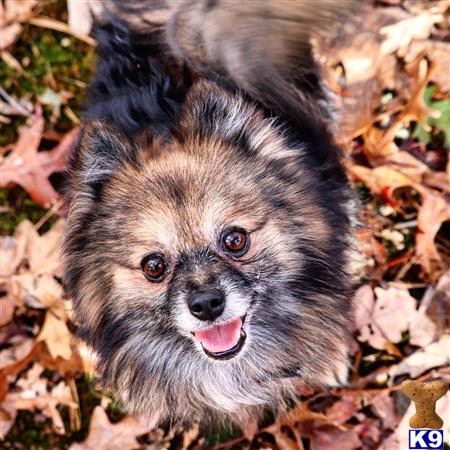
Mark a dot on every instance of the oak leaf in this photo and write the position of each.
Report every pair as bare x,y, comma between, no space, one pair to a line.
104,435
29,168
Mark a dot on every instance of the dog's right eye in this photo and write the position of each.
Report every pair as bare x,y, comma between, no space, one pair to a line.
154,267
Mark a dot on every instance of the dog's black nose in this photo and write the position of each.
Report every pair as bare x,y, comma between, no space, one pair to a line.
207,305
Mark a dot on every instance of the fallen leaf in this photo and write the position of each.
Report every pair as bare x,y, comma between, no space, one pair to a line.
37,397
81,14
439,54
56,336
423,330
12,250
104,435
29,168
8,414
328,438
436,354
44,252
189,436
7,307
343,410
437,303
391,315
15,353
383,406
11,13
435,210
363,302
381,180
249,429
284,442
369,432
399,35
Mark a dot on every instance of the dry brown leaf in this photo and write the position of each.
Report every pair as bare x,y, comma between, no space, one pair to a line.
438,180
8,414
380,144
11,13
439,54
301,413
189,436
249,429
391,314
436,354
104,435
81,14
284,442
328,438
34,395
36,291
435,210
437,301
423,330
12,250
38,398
7,307
363,301
20,349
381,180
399,35
56,336
44,251
369,429
407,165
29,168
343,410
383,406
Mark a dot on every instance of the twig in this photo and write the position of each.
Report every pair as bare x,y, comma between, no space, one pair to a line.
13,102
403,225
55,207
52,24
397,387
404,270
231,442
403,285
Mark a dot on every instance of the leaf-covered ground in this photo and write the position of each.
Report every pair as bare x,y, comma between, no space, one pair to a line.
390,70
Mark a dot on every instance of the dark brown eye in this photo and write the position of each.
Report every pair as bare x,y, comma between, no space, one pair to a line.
154,267
236,242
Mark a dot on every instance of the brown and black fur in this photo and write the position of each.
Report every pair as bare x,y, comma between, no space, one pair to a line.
176,147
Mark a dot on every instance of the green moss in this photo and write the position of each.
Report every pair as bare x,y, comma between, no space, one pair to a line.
51,60
30,434
440,126
15,206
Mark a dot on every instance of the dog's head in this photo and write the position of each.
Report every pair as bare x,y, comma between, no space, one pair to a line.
208,268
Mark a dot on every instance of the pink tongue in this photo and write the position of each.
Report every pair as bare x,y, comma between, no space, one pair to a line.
221,337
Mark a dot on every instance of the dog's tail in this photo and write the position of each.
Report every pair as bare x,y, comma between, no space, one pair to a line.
263,46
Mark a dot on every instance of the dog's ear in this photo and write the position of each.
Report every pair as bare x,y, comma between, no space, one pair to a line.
101,148
214,113
131,87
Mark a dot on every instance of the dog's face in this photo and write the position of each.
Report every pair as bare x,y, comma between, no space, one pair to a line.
207,270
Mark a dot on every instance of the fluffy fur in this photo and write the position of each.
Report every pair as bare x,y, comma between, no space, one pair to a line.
178,145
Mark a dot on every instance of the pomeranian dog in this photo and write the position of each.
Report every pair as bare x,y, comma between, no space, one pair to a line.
209,241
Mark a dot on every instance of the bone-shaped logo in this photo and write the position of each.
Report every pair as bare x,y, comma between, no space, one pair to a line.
425,396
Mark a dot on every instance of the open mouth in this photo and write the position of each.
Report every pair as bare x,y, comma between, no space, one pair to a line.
223,341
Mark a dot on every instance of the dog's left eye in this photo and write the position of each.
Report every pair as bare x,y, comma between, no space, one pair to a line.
236,242
154,267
